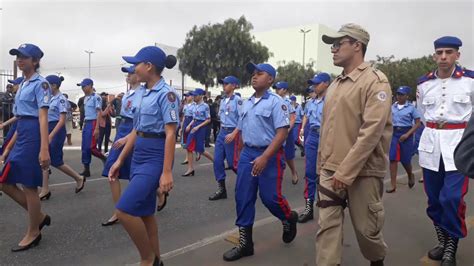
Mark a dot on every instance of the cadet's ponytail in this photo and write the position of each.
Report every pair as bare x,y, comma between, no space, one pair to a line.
170,61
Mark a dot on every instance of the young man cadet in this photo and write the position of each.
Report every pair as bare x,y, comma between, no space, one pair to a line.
299,113
352,160
90,132
445,101
313,116
264,127
226,144
281,88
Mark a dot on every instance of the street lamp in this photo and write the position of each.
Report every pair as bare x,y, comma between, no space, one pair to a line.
89,52
304,42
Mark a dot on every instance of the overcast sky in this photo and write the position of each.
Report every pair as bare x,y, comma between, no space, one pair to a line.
64,29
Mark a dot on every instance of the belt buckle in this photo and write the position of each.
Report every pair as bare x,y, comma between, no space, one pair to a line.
440,125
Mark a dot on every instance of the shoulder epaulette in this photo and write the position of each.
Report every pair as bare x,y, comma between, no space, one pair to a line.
424,78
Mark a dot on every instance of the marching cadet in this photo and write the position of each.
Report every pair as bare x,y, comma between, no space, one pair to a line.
153,140
281,89
264,127
12,121
305,130
125,127
197,131
90,132
30,154
188,111
57,136
445,100
356,130
406,121
313,117
228,139
299,113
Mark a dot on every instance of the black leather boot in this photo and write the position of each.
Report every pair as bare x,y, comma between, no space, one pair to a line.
450,248
289,227
307,214
245,247
377,263
436,253
86,172
221,192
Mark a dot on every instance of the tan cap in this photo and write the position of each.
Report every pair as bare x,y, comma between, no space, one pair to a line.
352,30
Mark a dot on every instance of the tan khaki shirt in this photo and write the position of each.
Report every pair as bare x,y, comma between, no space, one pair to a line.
357,125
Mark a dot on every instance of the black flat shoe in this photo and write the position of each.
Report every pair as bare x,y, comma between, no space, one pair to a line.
188,174
46,221
82,186
33,244
411,181
161,207
184,163
198,157
391,190
46,196
109,223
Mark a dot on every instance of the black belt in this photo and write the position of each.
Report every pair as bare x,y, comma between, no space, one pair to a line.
27,117
256,147
401,128
149,135
90,120
315,129
228,128
127,119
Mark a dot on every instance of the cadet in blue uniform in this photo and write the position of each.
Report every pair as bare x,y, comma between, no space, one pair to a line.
445,100
188,111
12,121
264,127
124,129
299,113
281,89
156,110
57,135
406,120
313,114
197,131
90,132
22,166
305,128
228,139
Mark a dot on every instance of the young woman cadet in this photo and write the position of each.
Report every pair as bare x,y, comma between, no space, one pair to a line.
153,140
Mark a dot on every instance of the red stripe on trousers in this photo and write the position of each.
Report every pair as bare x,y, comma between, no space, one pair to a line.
281,201
94,150
236,151
462,206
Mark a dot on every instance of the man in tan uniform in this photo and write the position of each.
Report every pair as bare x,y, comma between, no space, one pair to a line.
353,151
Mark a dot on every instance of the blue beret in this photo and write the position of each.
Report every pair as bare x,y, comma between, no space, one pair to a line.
448,42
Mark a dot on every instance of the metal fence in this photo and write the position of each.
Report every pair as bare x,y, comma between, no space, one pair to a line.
5,75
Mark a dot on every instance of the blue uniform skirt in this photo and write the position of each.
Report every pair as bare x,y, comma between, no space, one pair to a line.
22,165
139,199
125,127
184,137
196,141
401,151
57,144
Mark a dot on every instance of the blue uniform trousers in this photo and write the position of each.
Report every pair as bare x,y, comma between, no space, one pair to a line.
224,151
311,150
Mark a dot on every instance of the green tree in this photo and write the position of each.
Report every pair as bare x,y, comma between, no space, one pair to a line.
404,72
296,75
214,51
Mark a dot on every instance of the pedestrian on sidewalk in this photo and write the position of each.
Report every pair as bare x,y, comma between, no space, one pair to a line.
153,141
352,162
406,121
226,144
445,101
264,127
57,135
90,132
105,125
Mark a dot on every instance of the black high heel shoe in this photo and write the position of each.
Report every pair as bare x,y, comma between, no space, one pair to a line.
184,163
82,186
157,262
110,222
46,221
188,174
162,206
33,243
46,196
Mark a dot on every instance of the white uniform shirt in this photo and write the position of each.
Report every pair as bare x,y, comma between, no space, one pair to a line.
443,100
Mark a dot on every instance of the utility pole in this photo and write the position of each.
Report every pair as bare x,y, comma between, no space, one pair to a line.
304,43
90,53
